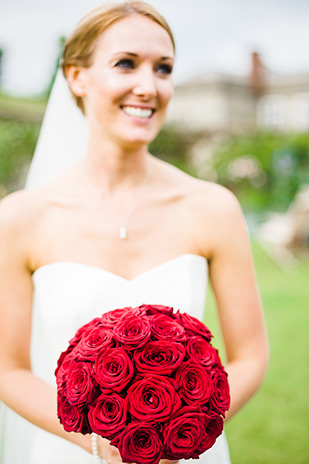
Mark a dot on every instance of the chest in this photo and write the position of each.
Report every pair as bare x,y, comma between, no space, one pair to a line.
155,233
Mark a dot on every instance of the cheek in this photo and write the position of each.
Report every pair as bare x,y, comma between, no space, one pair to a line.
109,89
166,92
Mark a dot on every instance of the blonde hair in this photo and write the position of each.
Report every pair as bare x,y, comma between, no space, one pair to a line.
79,47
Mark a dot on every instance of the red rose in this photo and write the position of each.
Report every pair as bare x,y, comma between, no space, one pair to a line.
132,331
194,383
159,357
213,428
139,311
184,433
93,341
80,385
111,318
63,364
165,328
96,322
72,417
63,369
157,309
199,349
159,426
139,443
113,369
152,398
220,399
108,414
193,326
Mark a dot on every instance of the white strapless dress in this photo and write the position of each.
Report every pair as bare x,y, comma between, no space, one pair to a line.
68,295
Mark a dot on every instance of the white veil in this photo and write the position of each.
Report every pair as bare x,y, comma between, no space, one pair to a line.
62,142
63,136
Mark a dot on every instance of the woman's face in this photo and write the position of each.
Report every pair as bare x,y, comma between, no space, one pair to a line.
127,88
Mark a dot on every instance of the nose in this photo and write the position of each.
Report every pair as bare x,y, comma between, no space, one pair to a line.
145,83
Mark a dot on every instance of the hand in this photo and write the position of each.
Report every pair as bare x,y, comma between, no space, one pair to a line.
166,461
108,452
111,454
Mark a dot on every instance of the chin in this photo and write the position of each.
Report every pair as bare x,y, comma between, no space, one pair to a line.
134,144
138,140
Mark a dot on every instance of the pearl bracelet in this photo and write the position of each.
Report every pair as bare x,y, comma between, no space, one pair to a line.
95,451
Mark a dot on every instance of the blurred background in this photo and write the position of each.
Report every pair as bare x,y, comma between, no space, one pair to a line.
240,117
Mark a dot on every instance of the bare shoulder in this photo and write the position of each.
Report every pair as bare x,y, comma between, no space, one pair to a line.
217,200
207,197
213,214
19,208
24,208
20,213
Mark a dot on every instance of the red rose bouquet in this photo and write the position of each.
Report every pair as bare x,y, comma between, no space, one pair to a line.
146,378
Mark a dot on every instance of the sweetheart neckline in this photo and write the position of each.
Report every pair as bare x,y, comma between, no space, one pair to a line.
100,269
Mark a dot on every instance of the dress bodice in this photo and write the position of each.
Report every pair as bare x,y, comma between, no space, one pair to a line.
67,295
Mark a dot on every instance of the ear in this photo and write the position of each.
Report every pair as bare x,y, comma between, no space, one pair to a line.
76,79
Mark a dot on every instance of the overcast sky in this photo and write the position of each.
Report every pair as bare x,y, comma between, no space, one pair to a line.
211,36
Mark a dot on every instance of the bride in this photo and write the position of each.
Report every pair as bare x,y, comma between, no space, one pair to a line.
117,228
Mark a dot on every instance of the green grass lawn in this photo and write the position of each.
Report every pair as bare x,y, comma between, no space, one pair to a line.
273,427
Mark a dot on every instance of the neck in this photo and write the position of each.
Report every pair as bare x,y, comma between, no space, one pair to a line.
113,169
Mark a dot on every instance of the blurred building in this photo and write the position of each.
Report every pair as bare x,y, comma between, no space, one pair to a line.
221,102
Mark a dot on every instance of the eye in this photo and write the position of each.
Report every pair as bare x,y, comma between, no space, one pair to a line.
164,69
125,63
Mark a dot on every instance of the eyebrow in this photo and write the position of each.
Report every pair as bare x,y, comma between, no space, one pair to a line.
135,55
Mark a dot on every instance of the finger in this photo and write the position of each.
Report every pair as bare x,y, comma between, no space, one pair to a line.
166,461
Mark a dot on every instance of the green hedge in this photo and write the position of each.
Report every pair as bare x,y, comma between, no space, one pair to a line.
265,169
17,144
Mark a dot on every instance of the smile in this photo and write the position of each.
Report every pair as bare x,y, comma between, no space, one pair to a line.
144,113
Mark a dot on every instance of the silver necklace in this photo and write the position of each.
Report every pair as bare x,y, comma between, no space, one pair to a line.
123,223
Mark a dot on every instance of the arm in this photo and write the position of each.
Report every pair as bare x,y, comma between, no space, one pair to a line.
26,394
238,302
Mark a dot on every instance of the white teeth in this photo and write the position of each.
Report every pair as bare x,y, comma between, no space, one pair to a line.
137,112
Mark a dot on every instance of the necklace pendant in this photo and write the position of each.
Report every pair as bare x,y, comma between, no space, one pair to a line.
123,232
